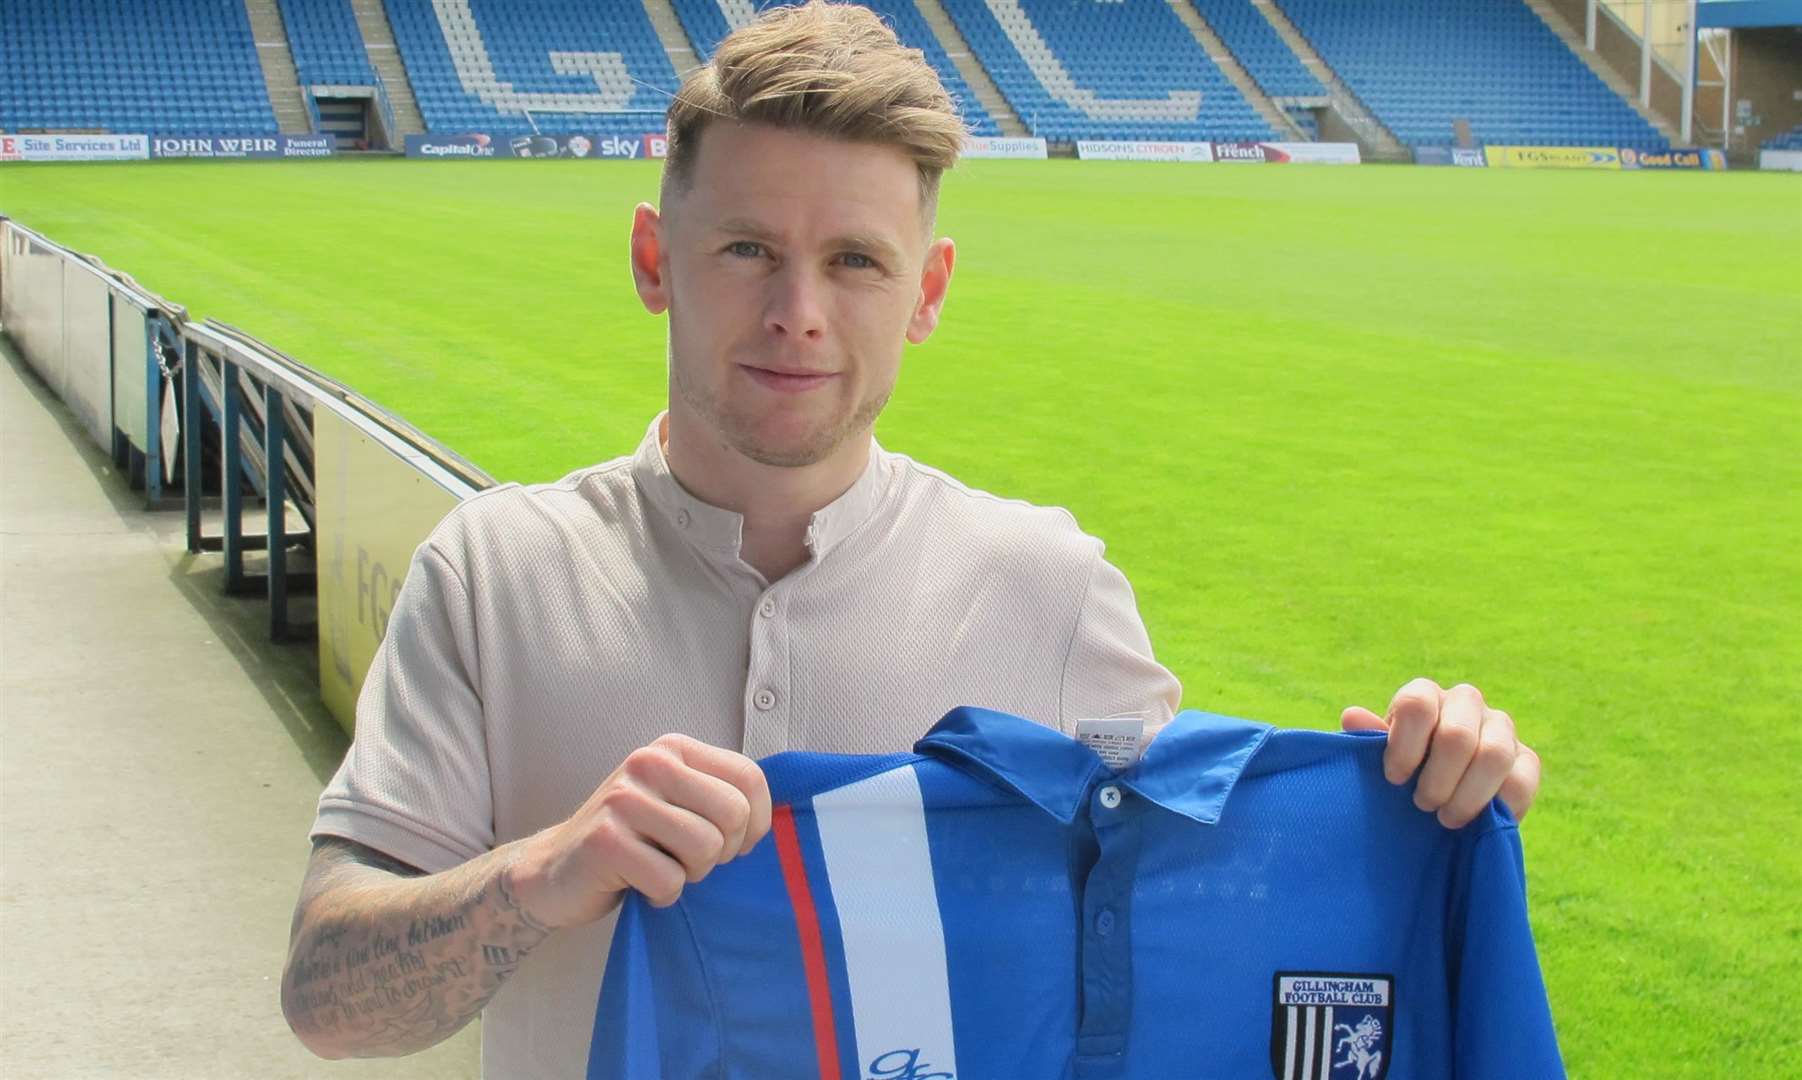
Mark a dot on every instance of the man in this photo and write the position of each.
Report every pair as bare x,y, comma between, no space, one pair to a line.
546,723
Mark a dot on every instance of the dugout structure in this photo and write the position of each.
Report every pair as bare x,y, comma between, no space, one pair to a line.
260,452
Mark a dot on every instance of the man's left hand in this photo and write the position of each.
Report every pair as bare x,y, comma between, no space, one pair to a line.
1469,750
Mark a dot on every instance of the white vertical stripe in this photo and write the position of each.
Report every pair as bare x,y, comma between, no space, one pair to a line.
1307,1045
1326,1043
1289,1047
873,837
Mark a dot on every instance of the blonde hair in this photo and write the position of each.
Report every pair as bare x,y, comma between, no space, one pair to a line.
828,69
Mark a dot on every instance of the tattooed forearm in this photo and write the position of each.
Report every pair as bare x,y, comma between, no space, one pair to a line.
382,964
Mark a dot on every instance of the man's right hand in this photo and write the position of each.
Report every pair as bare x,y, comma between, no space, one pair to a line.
670,814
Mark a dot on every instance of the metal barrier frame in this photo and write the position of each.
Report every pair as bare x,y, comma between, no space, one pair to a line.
259,420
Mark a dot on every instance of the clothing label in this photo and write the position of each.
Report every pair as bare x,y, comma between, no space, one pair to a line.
1115,740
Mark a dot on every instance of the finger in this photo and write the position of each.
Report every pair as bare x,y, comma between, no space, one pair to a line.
1522,784
686,836
748,778
663,769
1413,714
1358,718
1453,747
1489,766
640,865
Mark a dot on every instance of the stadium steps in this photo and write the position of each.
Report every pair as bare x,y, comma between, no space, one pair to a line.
1573,39
271,37
378,41
1376,140
675,39
952,41
1235,72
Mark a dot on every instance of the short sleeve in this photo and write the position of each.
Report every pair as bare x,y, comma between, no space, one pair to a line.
1503,1022
415,784
1110,670
655,1019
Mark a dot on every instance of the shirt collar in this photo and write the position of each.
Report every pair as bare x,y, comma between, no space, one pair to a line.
721,531
1189,769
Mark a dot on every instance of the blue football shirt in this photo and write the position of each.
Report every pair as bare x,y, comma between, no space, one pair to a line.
1242,902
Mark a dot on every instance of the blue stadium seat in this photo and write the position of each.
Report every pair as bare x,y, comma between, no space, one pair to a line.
1789,140
1120,69
91,64
481,65
1265,56
1420,65
326,44
706,24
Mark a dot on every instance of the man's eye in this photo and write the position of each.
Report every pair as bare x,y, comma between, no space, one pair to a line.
746,249
856,260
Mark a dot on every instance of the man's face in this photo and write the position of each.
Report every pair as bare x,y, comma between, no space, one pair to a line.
794,268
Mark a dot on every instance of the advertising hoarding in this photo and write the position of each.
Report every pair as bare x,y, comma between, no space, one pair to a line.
1449,155
1553,157
241,146
984,146
1672,159
1111,150
477,144
374,506
74,147
1287,153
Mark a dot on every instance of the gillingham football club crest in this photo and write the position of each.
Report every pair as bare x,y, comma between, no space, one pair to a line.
1331,1025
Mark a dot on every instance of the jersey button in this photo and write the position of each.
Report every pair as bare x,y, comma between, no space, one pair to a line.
764,699
1110,797
682,519
1104,922
768,608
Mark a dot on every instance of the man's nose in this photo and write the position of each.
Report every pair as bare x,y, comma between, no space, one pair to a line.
795,307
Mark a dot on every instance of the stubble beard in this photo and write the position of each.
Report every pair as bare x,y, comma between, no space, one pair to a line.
741,434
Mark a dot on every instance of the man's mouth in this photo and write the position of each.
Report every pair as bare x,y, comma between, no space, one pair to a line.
788,380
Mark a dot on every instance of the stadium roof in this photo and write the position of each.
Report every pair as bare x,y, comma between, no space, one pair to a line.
1748,13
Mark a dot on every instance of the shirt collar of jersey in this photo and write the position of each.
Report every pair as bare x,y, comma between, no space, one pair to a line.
1189,769
721,531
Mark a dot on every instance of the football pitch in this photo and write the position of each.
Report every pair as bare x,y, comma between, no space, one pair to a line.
1541,432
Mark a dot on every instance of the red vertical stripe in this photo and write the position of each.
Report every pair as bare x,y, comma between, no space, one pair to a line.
813,953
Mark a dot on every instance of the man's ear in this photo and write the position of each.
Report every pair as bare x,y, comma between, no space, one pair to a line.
650,259
935,282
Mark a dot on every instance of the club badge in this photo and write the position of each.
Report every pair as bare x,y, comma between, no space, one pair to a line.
1331,1025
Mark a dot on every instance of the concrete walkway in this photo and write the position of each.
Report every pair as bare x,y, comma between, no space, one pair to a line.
159,761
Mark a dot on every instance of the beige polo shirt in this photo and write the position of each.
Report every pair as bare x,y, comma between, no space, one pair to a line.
544,632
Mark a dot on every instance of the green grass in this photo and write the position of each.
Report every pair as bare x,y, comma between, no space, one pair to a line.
1538,431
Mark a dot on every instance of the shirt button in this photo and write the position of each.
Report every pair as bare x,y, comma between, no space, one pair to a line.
768,608
1110,797
765,700
1104,923
682,519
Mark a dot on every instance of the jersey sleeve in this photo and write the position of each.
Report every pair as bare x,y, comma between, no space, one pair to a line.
415,782
1109,670
655,1019
1503,1020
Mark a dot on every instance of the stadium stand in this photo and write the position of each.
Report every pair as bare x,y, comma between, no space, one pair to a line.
87,65
707,23
1126,69
1421,65
1257,46
482,65
326,44
1789,140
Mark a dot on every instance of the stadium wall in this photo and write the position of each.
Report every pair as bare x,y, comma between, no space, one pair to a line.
1619,49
